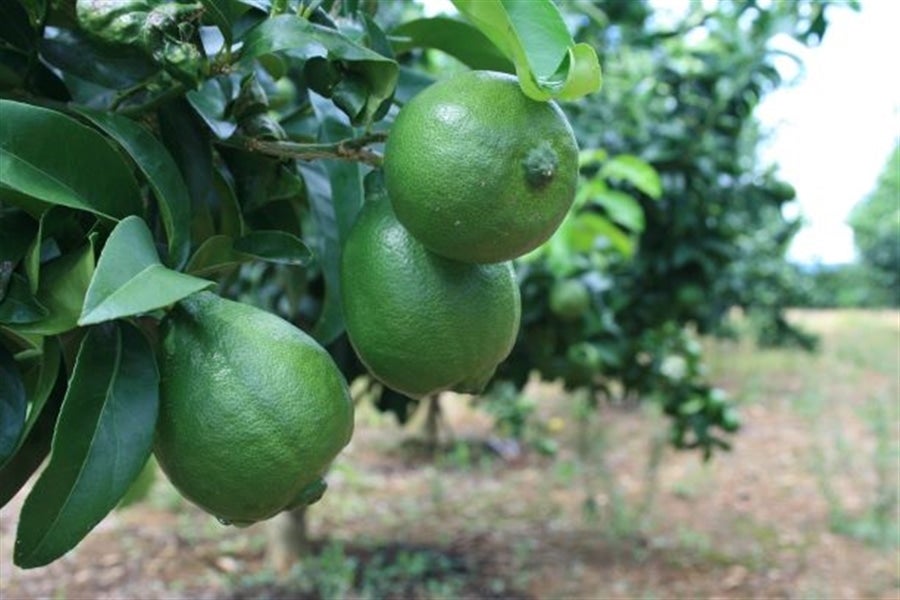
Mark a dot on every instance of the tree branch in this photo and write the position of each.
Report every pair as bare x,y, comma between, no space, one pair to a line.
353,149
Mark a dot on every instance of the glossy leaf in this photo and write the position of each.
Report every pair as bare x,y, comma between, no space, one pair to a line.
224,13
345,176
66,172
308,41
162,174
534,36
19,305
215,254
330,323
39,381
130,279
189,144
64,282
212,100
274,246
101,443
12,404
57,225
34,448
459,39
116,68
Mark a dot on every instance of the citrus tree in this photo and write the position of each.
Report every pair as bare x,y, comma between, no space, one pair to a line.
876,231
150,150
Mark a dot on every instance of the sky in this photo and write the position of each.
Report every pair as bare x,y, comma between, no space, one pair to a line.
831,131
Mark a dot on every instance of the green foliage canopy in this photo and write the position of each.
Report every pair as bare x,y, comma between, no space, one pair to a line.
876,227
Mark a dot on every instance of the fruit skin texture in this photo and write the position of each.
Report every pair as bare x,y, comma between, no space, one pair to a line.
252,410
419,322
479,172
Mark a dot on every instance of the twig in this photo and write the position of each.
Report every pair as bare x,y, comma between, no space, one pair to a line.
353,149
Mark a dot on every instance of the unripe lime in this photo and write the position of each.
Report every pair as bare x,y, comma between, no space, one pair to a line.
419,322
569,299
252,410
477,171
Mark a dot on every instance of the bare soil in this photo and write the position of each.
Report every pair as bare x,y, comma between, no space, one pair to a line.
791,512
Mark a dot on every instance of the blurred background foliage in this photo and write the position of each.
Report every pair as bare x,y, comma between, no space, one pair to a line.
678,225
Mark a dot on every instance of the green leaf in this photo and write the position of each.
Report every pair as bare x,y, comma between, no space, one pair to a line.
457,38
162,174
635,171
58,225
533,34
212,101
141,486
39,381
12,405
274,246
330,323
64,282
102,441
224,13
17,230
215,254
345,176
189,144
335,205
19,306
34,449
359,66
116,68
622,209
28,342
586,228
130,279
80,169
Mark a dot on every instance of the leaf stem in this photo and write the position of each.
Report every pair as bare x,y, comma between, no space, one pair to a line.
353,149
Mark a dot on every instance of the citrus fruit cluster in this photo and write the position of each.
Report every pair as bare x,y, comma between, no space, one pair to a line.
476,174
252,410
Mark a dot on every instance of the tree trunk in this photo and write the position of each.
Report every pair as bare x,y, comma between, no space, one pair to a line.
288,539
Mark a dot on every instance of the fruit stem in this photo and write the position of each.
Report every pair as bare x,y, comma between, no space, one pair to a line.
353,149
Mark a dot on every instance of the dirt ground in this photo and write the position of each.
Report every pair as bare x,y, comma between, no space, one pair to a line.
805,506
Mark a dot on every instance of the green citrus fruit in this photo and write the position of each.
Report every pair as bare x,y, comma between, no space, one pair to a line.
479,172
569,299
419,322
252,410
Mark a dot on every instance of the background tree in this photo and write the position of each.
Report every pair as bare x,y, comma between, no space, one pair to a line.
876,228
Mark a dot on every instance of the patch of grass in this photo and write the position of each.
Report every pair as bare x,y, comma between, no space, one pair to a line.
391,571
693,548
695,482
878,523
